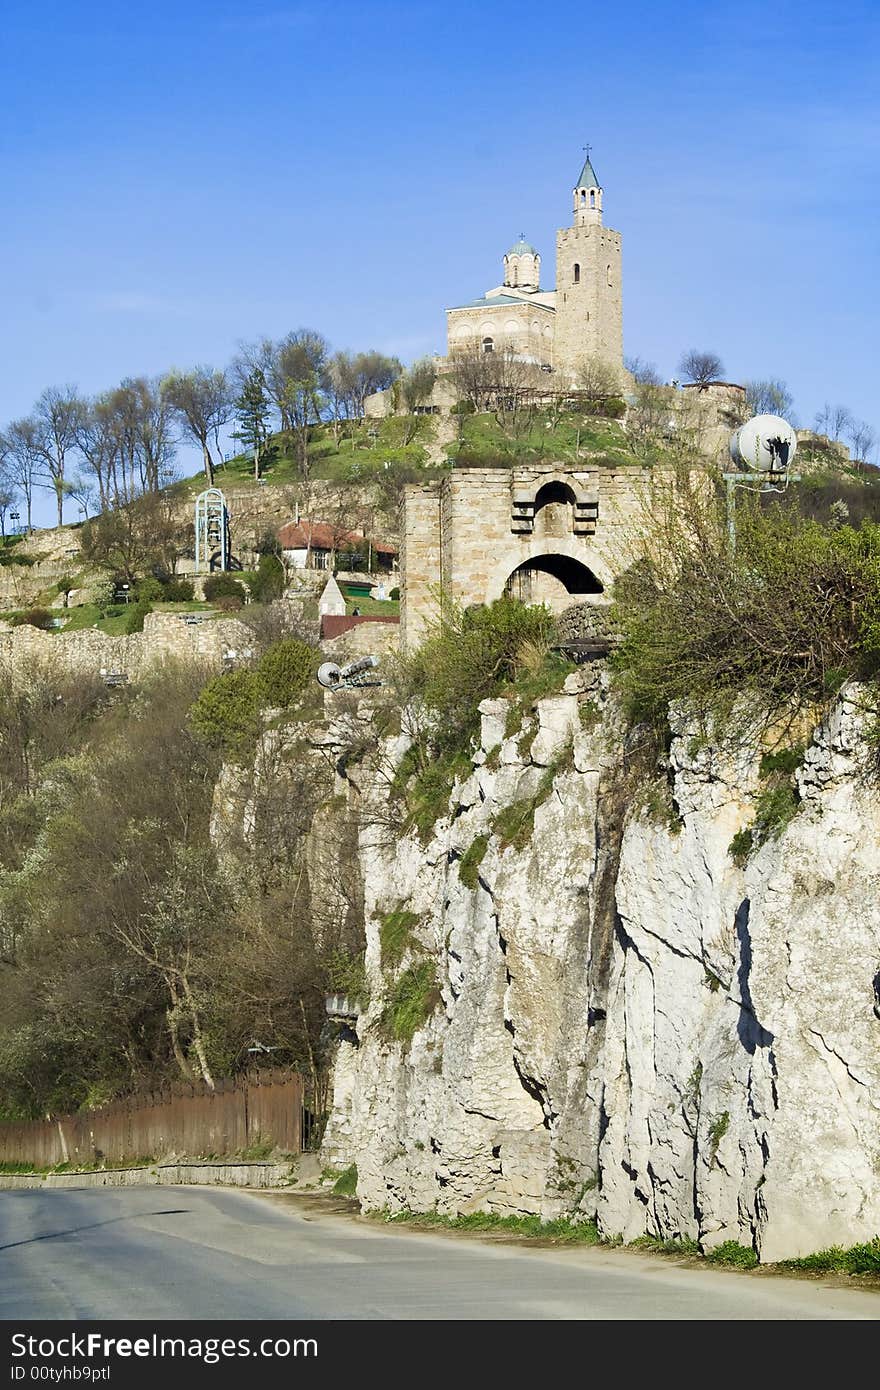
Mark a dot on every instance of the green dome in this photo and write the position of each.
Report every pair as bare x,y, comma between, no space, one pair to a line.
522,248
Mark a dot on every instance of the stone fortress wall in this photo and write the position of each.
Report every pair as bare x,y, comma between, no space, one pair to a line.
166,637
467,535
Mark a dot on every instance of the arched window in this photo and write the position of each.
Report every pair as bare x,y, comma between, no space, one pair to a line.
488,345
583,197
608,279
577,274
592,200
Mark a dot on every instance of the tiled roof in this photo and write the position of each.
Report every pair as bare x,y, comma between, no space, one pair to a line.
489,302
318,535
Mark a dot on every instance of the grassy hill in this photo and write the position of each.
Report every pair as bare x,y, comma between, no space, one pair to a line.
369,449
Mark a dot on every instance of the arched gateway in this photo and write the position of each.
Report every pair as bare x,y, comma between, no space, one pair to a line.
547,533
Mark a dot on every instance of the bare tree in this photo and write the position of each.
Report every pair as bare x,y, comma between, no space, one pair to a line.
7,489
202,403
21,447
416,386
339,384
650,420
835,421
862,440
57,415
472,373
373,371
516,384
597,378
701,368
770,397
96,442
643,373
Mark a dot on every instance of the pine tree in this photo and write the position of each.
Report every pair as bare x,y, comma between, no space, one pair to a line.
252,412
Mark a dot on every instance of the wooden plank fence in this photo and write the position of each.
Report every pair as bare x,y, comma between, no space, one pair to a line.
268,1107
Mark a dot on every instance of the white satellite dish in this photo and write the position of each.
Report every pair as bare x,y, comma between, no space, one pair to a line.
765,444
334,677
329,675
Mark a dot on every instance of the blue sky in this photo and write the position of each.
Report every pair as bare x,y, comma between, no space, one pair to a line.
181,176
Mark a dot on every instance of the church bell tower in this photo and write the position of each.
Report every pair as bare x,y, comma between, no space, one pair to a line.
589,312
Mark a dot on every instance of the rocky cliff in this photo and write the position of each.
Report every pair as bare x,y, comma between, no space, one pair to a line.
608,1014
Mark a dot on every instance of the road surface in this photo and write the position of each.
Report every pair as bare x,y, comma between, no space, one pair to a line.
187,1252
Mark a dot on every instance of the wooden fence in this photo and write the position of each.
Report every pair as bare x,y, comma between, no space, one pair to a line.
267,1108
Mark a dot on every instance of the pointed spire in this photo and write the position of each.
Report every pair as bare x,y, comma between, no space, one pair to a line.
587,177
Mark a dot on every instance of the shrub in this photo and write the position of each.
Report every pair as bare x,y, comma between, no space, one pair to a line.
413,998
469,864
179,591
149,590
783,618
135,614
468,654
285,670
269,579
34,617
608,407
223,585
395,594
226,713
228,603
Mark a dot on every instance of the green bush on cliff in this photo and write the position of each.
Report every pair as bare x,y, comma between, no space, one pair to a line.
412,999
285,670
785,617
227,714
468,655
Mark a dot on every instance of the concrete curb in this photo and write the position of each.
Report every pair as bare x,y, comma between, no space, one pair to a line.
226,1174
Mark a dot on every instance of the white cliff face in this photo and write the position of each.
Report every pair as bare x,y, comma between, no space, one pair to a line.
631,1026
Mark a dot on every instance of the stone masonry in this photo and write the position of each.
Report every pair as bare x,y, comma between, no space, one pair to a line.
481,531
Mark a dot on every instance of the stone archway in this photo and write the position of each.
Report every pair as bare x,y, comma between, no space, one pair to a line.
558,575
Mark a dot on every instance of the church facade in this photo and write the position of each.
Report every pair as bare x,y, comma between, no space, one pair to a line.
557,330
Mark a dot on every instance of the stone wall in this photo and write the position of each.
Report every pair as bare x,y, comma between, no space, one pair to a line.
166,637
458,533
589,313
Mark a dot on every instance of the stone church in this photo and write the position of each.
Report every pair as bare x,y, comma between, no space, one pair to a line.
556,329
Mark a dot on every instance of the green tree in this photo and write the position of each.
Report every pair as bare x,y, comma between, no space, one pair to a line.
253,411
285,670
227,714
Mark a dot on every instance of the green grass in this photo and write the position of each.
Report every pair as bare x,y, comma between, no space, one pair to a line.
566,439
857,1259
532,1227
363,449
730,1252
412,999
373,607
112,621
469,864
396,935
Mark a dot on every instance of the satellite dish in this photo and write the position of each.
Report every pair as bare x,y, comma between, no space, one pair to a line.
329,675
765,444
334,677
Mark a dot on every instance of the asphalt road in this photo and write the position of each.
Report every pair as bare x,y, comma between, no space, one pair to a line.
155,1253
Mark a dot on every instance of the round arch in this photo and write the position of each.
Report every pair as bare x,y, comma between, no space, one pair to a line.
537,549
